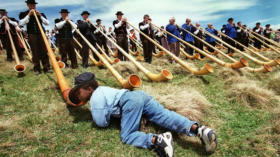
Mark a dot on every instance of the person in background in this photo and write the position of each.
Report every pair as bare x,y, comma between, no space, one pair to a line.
111,35
259,30
209,39
231,32
101,39
132,38
173,43
199,33
188,37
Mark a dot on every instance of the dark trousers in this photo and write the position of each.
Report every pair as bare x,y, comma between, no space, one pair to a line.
257,44
188,49
103,42
66,49
199,45
240,40
133,46
232,43
148,51
85,53
7,45
39,52
209,48
122,41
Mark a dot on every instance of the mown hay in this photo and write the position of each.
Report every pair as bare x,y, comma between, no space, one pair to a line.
274,83
126,68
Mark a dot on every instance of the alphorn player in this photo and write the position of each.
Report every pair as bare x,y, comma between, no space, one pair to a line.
161,37
87,30
111,35
66,43
132,37
12,23
130,107
121,27
188,37
35,39
199,33
231,32
173,43
209,39
101,39
147,28
267,33
246,36
258,29
240,35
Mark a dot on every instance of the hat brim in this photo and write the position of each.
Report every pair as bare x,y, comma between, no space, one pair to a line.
85,13
119,13
30,2
64,12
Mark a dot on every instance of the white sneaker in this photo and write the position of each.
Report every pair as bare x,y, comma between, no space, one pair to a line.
164,145
208,138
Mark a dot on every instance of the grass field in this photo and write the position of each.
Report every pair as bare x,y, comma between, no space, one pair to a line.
242,107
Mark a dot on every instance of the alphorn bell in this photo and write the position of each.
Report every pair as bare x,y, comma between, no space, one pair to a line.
237,65
24,45
19,67
133,82
64,86
205,70
165,75
271,63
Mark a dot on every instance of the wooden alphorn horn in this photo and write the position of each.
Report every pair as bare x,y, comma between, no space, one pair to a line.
133,82
165,75
25,46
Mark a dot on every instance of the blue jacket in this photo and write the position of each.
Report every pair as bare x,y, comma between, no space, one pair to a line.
209,39
172,29
104,104
186,36
231,31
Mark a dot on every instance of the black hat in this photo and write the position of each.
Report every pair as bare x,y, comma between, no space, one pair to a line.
85,12
79,81
258,23
3,10
64,11
98,20
268,25
119,13
230,19
31,2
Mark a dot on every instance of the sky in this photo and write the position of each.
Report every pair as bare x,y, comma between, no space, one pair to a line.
204,11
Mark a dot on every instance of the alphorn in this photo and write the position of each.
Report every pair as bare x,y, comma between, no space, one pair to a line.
236,65
132,82
269,40
163,76
116,60
25,47
245,47
205,70
273,48
19,67
64,86
271,63
78,55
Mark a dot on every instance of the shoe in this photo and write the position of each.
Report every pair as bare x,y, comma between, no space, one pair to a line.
164,145
48,71
37,72
208,138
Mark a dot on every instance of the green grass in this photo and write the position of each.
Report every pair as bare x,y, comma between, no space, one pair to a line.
34,120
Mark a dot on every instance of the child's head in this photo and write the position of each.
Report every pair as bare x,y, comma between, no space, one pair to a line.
85,84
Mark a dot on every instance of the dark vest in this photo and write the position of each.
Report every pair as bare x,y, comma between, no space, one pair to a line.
66,31
87,30
254,30
121,30
3,30
266,33
148,31
32,27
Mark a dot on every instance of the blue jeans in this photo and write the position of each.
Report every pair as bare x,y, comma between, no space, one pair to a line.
136,104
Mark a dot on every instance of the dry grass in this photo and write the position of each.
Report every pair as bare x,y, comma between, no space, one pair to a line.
225,73
274,83
125,68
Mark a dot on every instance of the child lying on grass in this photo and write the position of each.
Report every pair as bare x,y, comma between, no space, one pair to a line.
130,106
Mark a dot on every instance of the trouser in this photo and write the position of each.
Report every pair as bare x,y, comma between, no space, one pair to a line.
122,41
232,43
175,48
246,42
199,45
209,48
103,43
85,53
257,44
138,104
238,46
133,46
7,45
148,50
188,49
39,52
66,48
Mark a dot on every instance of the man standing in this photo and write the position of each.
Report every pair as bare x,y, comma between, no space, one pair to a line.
188,37
101,39
121,27
13,25
35,39
66,45
240,35
267,33
132,38
112,36
231,32
173,43
246,36
199,34
147,29
87,31
209,39
258,29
